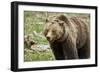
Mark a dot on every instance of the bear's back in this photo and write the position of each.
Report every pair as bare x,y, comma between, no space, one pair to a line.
82,31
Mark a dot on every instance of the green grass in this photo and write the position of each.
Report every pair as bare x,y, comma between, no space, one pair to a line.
40,56
34,21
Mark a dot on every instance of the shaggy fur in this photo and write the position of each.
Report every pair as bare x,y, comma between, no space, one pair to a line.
68,37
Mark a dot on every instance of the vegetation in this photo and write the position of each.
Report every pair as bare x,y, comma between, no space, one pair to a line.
34,23
38,56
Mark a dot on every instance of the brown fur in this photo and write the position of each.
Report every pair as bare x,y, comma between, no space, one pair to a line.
68,37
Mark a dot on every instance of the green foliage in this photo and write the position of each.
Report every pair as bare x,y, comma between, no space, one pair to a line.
34,21
38,56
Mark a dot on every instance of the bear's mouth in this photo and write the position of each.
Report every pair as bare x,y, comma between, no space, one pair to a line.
51,40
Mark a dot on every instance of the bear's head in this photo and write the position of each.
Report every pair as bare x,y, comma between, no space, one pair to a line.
55,28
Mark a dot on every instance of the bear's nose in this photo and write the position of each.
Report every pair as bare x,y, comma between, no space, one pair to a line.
48,37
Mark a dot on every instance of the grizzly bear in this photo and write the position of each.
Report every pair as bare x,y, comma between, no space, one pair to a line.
68,37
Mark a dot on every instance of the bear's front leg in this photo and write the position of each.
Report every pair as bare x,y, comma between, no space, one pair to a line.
70,50
70,53
58,51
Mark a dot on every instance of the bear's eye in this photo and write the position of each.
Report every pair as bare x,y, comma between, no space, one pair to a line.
53,31
52,22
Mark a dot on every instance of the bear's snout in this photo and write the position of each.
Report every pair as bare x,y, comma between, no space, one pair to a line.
48,38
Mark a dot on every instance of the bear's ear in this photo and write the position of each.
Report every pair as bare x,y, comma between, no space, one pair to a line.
63,18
